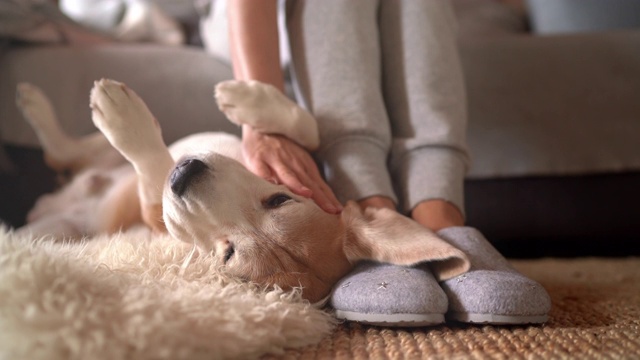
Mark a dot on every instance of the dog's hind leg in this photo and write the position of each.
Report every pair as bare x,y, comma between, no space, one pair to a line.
130,127
61,151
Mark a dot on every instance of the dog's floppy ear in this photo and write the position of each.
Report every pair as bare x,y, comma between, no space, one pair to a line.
386,236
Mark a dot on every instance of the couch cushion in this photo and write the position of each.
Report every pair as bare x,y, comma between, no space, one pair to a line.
489,18
553,105
176,83
568,16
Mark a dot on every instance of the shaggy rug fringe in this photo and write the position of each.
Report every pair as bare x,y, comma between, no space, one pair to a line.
138,296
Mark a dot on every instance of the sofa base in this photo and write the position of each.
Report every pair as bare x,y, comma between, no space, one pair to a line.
558,215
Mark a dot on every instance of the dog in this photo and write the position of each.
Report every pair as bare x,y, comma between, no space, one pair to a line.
199,191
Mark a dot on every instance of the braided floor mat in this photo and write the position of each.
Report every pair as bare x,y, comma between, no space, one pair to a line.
595,315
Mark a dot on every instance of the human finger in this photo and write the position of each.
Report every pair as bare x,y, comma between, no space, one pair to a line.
323,187
262,170
291,178
329,196
320,192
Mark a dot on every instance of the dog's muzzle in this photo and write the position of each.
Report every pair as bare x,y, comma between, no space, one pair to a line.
184,173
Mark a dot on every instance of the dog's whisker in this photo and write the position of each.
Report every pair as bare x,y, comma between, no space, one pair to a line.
187,260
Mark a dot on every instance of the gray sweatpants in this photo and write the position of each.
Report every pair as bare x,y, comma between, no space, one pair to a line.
384,81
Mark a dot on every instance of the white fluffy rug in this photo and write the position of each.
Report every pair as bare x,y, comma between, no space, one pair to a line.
133,296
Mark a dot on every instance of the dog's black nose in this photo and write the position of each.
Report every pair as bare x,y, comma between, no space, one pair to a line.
184,173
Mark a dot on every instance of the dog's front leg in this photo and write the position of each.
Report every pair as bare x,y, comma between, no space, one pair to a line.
267,110
130,127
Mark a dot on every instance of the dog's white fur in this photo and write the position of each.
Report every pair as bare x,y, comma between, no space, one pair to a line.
261,231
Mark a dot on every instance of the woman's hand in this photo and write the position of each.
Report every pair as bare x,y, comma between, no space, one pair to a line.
282,161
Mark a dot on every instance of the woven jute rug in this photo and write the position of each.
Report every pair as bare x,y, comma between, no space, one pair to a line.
595,315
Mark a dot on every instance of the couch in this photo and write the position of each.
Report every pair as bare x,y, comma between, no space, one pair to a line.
554,124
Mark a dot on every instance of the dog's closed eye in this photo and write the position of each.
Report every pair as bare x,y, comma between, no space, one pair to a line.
231,250
276,200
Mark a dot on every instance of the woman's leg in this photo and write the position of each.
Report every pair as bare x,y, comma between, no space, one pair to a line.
336,57
425,98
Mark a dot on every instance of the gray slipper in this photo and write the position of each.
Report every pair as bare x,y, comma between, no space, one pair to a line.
389,295
492,292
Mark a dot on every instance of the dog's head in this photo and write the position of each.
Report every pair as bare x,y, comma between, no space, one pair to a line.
264,233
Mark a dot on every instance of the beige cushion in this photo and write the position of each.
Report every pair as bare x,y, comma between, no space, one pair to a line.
176,83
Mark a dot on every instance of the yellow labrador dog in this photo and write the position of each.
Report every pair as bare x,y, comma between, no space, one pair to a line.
200,192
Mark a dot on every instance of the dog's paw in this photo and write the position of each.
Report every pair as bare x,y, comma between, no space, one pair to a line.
239,100
118,110
266,109
35,106
124,119
252,103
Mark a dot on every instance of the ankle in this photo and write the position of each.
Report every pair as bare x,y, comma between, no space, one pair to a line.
377,202
437,214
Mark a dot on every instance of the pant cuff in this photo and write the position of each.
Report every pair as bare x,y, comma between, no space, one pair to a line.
430,174
356,169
